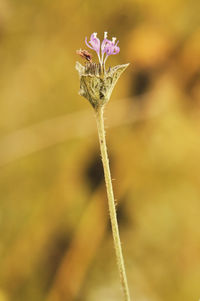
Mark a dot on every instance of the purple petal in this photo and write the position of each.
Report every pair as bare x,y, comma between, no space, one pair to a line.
88,44
103,45
116,50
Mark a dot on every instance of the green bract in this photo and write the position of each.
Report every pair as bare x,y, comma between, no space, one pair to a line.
95,85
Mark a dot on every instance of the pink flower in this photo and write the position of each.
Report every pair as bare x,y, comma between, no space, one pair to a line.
94,42
107,47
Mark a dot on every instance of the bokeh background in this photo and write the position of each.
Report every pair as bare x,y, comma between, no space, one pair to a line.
55,236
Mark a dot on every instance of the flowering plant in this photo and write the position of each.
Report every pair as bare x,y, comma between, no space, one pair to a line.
96,84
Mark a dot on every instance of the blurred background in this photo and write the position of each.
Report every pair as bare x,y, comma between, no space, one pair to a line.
55,236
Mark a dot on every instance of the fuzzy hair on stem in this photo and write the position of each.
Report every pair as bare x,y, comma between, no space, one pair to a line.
96,85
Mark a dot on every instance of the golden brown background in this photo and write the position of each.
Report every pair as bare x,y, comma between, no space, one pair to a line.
55,238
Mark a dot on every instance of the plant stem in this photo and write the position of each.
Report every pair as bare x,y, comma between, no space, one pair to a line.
111,202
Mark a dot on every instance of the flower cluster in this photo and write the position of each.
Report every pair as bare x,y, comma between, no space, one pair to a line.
107,47
97,83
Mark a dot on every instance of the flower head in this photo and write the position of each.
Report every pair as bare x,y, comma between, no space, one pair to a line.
97,83
108,47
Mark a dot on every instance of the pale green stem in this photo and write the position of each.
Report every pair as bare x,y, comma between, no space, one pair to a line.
111,203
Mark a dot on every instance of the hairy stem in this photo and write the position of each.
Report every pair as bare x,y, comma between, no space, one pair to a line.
111,203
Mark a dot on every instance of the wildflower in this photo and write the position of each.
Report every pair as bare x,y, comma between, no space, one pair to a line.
97,83
107,47
94,43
